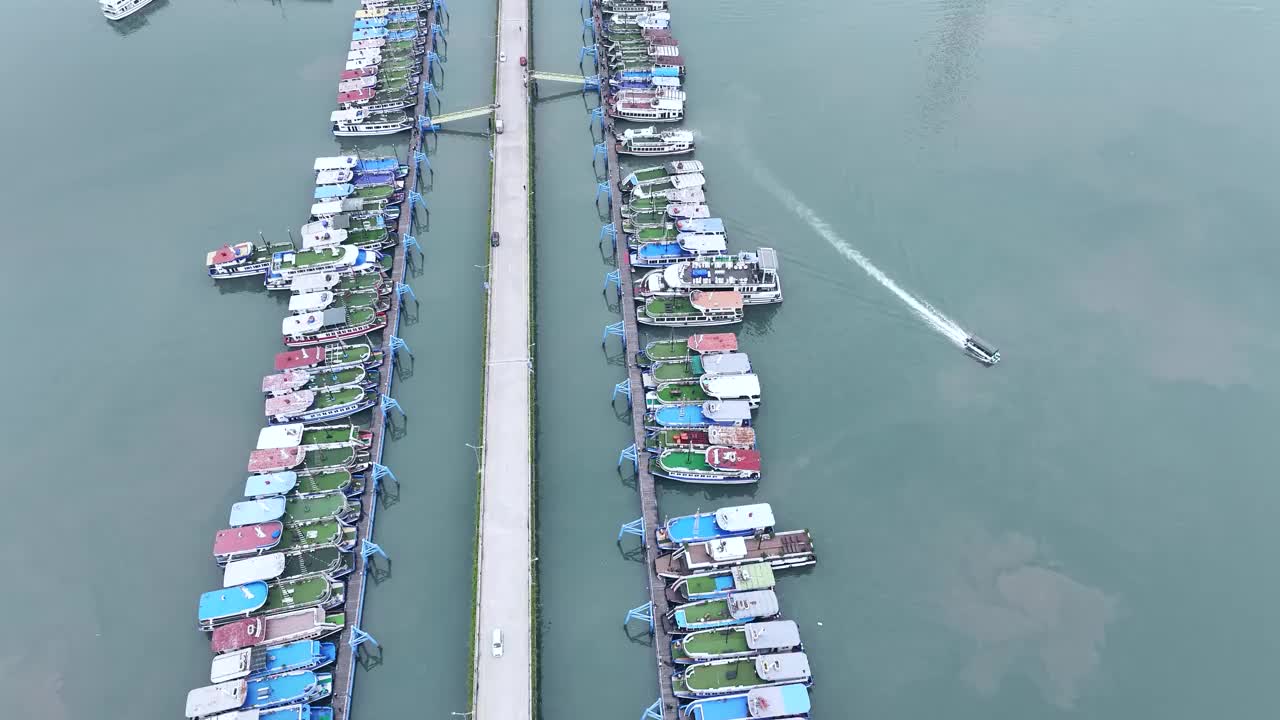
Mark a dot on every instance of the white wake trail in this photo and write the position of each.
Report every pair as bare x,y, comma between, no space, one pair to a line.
929,314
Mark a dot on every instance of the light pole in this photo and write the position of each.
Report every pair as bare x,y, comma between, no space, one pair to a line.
476,449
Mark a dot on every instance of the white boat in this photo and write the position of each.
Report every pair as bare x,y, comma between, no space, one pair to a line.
360,83
754,275
744,386
121,9
655,110
374,54
334,177
356,123
368,44
981,350
671,190
648,141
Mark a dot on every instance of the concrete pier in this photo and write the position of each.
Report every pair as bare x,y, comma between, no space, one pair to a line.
503,685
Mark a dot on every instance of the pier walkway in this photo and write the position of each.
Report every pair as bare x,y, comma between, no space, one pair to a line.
462,114
503,685
667,706
352,636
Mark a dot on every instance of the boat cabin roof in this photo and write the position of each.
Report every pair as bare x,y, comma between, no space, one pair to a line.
753,603
230,666
725,458
280,436
701,225
780,701
312,282
357,95
253,512
783,666
327,192
727,410
690,180
229,602
667,104
310,302
284,382
731,548
262,567
731,386
274,459
702,243
737,518
706,343
730,363
277,483
230,253
732,437
342,116
768,258
313,321
329,224
290,404
252,537
756,576
688,210
680,167
214,699
716,300
256,714
301,358
773,634
336,162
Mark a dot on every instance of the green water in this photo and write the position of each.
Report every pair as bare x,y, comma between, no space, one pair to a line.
131,151
1087,528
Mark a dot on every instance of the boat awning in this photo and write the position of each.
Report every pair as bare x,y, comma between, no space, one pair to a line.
279,483
230,666
701,225
756,576
768,258
301,358
310,302
665,81
784,666
357,95
253,512
729,387
313,321
330,177
240,540
690,180
280,436
229,602
725,458
774,634
291,404
683,210
314,281
335,162
275,459
753,604
214,699
727,410
346,116
716,300
730,363
285,382
731,436
262,567
668,104
329,192
703,243
780,701
706,343
727,548
739,518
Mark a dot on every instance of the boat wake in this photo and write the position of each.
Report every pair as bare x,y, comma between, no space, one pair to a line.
932,317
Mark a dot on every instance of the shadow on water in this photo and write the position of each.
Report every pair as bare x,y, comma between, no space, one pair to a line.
138,20
759,320
378,567
232,286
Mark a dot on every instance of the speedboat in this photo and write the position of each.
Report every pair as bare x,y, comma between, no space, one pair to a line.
981,350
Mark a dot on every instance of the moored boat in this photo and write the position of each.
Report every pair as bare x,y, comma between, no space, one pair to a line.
315,437
330,324
310,302
331,357
263,568
789,549
243,259
696,367
329,561
121,9
342,258
754,275
257,663
294,380
685,348
649,141
737,386
351,456
751,639
735,675
731,521
663,110
218,607
735,608
716,465
309,406
726,413
298,687
242,542
719,583
700,438
783,702
360,206
330,533
267,631
672,185
699,309
358,123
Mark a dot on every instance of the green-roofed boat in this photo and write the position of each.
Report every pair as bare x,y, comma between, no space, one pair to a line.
319,483
699,309
295,380
719,583
315,508
678,349
302,592
772,636
318,437
302,538
675,393
330,561
665,233
674,371
329,357
724,677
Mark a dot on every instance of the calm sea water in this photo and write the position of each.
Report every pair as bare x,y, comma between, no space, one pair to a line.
1086,528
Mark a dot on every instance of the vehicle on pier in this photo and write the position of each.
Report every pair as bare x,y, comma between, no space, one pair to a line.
981,350
754,638
754,276
714,466
334,323
649,141
228,697
731,521
688,248
287,265
719,583
734,413
308,406
784,702
736,675
358,123
121,9
735,608
685,348
268,631
258,663
698,309
789,549
331,357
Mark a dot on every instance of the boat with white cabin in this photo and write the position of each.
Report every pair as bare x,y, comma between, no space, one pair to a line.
121,9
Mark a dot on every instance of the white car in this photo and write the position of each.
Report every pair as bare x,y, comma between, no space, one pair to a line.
502,57
497,642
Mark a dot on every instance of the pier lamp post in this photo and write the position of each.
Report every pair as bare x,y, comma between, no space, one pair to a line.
476,449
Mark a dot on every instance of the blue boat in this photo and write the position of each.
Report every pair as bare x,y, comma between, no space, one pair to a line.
732,521
370,34
735,413
298,687
297,712
687,246
333,192
255,663
398,35
252,512
783,701
366,23
218,607
736,608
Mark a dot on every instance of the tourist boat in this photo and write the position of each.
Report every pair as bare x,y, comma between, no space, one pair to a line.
332,357
701,439
351,457
719,583
218,607
657,204
308,406
682,211
369,187
736,675
333,323
789,549
716,465
783,702
663,232
330,561
258,663
731,521
744,386
359,123
675,393
670,190
362,166
291,263
121,9
731,413
736,608
368,81
329,533
242,542
700,308
700,225
657,174
674,350
646,82
270,484
648,141
294,380
359,230
656,110
315,437
754,276
378,102
296,511
263,568
341,283
686,249
243,259
981,350
352,301
347,482
288,627
755,638
299,687
362,206
691,370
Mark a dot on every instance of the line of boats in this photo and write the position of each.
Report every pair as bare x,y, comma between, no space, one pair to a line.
289,542
645,70
381,82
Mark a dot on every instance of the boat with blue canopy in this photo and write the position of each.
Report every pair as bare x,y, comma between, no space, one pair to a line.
687,246
218,607
732,521
361,166
270,484
253,512
713,412
289,689
769,703
258,662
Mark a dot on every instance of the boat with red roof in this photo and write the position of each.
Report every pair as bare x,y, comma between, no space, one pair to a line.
248,541
243,259
676,350
306,624
309,406
328,358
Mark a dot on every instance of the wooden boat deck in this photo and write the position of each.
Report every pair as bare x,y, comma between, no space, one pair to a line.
645,481
344,669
